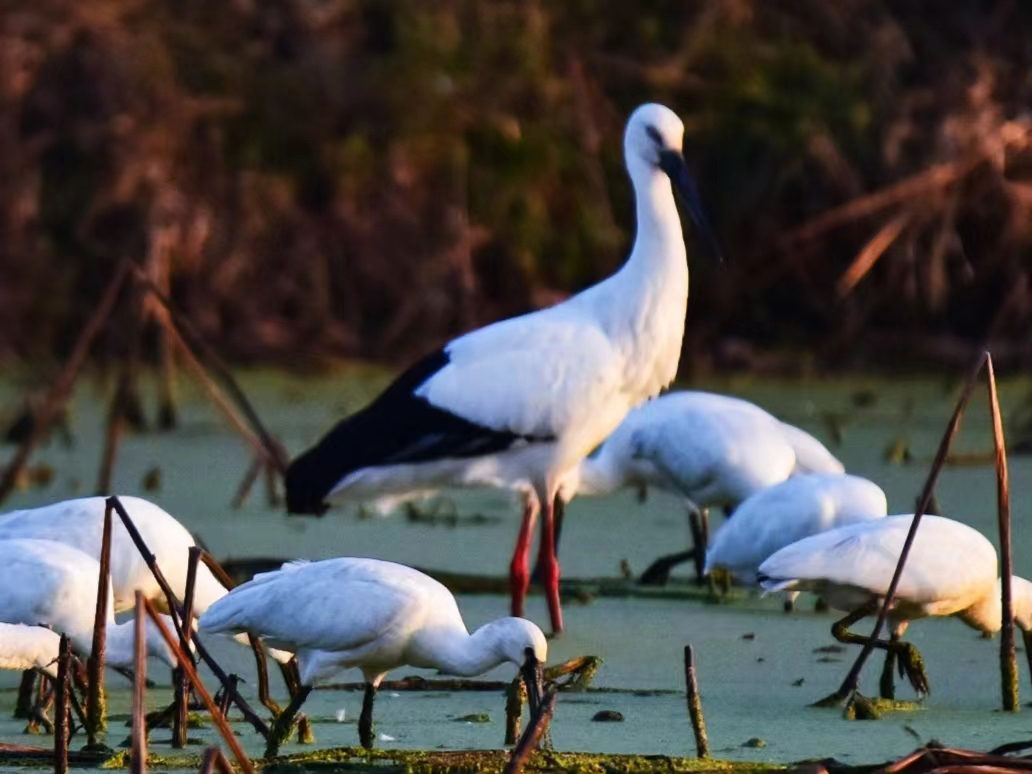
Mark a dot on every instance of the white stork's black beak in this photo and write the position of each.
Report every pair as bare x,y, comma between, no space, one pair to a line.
672,162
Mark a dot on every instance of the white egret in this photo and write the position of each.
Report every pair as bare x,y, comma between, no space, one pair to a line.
375,615
519,403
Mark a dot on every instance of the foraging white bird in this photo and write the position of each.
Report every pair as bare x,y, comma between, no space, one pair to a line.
24,647
55,585
519,403
79,523
798,507
375,615
950,570
709,449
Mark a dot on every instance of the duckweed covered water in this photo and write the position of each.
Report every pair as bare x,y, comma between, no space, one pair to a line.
756,686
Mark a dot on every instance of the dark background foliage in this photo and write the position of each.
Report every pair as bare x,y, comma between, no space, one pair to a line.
314,179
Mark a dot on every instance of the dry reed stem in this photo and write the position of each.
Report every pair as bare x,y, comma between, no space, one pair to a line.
849,685
64,656
216,716
95,695
62,386
695,704
175,610
1008,657
535,728
138,749
871,252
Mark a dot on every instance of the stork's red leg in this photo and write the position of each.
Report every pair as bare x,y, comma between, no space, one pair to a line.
548,563
519,568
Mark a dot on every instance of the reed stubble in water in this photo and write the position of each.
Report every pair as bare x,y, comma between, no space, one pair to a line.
695,704
95,713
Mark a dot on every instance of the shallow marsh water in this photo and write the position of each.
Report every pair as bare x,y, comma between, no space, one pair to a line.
750,685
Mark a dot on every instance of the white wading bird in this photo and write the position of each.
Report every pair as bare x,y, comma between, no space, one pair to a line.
80,523
54,585
519,403
798,507
34,649
950,570
708,449
375,615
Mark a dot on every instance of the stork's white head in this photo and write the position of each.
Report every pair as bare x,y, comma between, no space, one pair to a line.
652,129
653,143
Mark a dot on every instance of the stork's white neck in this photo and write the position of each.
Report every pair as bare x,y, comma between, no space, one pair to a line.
987,613
659,237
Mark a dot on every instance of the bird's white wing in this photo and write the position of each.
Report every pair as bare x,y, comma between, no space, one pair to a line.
532,376
812,456
947,558
331,605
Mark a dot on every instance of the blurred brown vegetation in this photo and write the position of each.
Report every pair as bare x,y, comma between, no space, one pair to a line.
326,178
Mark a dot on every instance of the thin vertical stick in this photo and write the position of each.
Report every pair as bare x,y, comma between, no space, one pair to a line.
62,386
175,610
138,751
695,704
216,716
208,762
1008,659
535,728
849,685
515,696
95,696
64,656
180,716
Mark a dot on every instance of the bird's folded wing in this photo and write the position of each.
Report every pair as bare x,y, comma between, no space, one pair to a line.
535,381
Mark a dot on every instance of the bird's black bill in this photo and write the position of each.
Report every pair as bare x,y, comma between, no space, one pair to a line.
532,678
672,162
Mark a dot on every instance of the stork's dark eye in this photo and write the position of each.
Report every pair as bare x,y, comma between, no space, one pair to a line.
654,135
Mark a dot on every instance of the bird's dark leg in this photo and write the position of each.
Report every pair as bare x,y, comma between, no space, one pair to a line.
658,573
25,703
285,722
549,564
365,720
262,667
887,683
788,605
38,713
519,574
698,522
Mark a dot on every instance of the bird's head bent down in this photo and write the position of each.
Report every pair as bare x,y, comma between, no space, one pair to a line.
523,643
654,139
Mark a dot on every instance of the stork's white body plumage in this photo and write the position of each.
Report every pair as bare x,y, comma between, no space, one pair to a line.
28,647
518,403
366,613
55,585
798,507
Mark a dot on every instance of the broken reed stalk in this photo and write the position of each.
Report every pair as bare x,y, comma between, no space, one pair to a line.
189,335
175,611
247,483
182,689
64,657
62,386
125,392
1008,657
191,673
261,663
95,693
138,750
529,741
849,685
515,697
695,704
